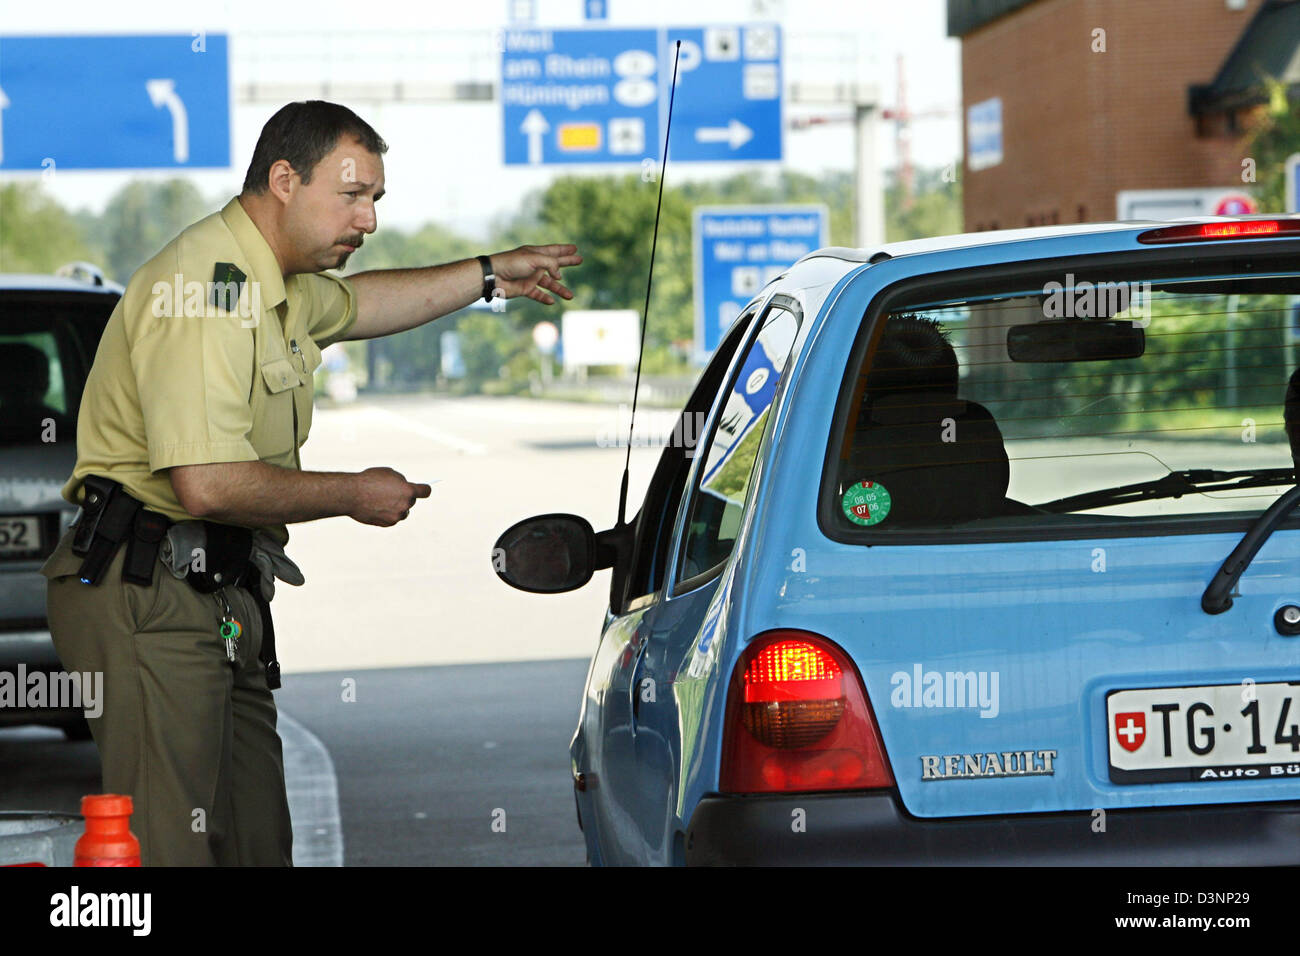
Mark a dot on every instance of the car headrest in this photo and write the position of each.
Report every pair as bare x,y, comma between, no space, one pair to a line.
941,459
24,372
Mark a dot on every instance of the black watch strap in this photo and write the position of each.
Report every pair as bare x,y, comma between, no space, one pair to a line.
489,278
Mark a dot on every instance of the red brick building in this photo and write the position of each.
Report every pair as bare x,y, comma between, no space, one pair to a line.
1069,102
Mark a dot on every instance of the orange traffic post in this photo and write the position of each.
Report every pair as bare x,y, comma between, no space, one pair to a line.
108,840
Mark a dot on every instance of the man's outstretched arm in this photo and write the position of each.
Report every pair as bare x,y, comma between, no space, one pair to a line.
393,300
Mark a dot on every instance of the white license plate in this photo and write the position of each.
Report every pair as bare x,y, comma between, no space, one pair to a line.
20,535
1241,731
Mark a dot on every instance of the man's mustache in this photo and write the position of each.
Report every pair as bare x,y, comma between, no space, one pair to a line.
356,240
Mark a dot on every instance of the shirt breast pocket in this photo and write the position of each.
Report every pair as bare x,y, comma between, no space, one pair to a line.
273,435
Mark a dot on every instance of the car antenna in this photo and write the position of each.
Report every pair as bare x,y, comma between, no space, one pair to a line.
645,314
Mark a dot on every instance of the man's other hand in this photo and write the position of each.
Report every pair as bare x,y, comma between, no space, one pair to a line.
534,271
384,497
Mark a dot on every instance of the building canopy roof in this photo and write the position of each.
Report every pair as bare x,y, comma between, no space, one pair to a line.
1268,47
967,16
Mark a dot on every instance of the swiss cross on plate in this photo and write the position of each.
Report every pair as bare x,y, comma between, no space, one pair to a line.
1131,730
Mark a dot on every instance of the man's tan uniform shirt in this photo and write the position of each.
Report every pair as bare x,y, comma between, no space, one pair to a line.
189,374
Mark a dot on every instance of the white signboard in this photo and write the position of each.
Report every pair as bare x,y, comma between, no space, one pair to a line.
606,337
1161,204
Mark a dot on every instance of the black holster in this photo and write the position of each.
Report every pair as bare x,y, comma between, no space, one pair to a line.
109,516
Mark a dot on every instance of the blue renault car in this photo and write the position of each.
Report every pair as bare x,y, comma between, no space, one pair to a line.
986,554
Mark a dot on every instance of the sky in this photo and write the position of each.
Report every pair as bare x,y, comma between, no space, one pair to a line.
445,161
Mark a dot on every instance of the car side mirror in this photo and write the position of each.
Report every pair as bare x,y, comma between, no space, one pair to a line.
550,554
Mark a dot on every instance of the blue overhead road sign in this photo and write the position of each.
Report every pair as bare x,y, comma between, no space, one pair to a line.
580,96
114,102
728,105
738,250
601,96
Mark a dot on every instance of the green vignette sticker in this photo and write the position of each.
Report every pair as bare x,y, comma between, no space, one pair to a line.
866,503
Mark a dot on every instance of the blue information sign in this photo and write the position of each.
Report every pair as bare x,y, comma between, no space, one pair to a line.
114,102
738,250
601,95
984,134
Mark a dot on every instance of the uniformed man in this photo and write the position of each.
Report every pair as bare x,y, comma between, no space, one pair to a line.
188,471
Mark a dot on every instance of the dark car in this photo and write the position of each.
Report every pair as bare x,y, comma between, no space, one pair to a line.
50,327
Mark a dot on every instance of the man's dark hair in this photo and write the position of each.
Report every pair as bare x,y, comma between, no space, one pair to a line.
304,134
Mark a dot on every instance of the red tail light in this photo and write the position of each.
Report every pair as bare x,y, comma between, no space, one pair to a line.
1209,231
798,720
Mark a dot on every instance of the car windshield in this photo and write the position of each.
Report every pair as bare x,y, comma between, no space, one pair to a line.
1080,400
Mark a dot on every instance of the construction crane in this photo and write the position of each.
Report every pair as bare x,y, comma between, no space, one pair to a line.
902,118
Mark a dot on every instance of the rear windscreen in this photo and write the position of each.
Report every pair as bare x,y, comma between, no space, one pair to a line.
1075,400
46,347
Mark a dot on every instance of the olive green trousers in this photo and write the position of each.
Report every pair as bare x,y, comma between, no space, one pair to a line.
187,733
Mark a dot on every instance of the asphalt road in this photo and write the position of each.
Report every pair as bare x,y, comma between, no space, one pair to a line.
427,760
436,748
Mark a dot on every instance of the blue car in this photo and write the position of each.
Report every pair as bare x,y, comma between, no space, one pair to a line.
978,549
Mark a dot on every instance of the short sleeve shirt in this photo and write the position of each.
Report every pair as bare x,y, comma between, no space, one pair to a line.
208,357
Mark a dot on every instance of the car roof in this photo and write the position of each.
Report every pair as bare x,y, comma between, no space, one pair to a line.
966,240
32,282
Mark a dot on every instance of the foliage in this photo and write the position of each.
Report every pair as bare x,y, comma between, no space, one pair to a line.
935,209
610,218
36,233
142,218
414,357
1275,138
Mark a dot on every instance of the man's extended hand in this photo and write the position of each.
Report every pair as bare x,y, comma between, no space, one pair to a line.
534,271
384,497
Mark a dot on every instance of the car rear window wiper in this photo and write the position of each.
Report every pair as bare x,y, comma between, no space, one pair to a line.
1173,485
1218,595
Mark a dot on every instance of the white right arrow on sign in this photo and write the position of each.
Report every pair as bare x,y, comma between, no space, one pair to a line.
735,134
163,93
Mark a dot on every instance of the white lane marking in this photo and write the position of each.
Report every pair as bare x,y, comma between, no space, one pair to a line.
313,796
419,428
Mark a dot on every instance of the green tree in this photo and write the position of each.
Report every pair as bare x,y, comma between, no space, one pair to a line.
143,217
935,208
411,358
36,233
1275,138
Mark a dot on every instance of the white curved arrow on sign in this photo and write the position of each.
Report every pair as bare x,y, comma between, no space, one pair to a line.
163,93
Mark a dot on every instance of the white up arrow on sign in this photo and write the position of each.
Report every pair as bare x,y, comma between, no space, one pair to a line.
735,134
163,93
534,127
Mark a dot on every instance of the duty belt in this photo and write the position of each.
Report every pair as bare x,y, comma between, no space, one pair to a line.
110,516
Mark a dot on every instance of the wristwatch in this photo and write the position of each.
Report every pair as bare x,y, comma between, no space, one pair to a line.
489,278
